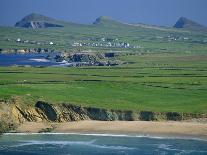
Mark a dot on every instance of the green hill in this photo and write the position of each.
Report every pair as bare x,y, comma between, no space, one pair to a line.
163,70
34,20
107,21
186,23
37,31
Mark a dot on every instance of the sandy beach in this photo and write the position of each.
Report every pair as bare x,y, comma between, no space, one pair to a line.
172,129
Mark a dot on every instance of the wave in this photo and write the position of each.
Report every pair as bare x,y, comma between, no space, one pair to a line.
113,135
170,148
40,60
34,142
66,143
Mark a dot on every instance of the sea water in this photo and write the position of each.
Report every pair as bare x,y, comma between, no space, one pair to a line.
31,59
98,144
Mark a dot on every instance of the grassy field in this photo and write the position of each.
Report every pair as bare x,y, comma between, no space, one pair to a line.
155,82
168,72
153,39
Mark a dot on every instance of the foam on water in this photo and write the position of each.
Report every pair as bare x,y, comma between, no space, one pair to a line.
35,142
170,148
40,60
94,144
65,143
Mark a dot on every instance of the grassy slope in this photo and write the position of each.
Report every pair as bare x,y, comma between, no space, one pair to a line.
156,82
135,35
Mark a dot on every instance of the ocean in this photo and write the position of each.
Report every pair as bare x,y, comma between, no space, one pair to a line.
28,59
98,144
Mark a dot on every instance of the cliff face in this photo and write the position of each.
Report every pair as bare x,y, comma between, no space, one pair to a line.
38,21
66,113
36,24
43,111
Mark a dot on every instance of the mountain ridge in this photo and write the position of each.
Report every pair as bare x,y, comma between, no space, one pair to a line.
35,20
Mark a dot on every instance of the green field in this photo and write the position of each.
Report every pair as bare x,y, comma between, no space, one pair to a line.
168,72
154,82
151,39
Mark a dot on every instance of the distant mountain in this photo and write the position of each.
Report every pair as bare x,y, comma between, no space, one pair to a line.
35,21
108,21
186,23
102,20
38,21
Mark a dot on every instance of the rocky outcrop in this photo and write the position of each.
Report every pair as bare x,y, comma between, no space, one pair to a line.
35,21
36,24
43,111
20,115
86,59
188,24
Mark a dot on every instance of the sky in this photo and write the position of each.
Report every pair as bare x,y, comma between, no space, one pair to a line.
153,12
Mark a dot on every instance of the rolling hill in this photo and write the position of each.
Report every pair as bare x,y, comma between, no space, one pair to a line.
34,20
186,23
37,31
163,69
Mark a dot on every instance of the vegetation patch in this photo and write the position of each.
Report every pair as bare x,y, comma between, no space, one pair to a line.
147,85
174,116
46,130
6,126
147,116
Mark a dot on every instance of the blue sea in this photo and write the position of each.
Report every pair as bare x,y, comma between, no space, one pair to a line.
98,144
28,59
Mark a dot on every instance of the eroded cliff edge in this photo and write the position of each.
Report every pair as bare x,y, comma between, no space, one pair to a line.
46,112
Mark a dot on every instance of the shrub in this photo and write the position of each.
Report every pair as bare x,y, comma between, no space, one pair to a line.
3,127
46,130
147,116
6,127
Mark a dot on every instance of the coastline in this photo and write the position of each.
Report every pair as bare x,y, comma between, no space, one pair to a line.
165,129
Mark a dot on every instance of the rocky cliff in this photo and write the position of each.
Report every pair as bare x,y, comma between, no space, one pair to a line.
38,21
36,24
43,111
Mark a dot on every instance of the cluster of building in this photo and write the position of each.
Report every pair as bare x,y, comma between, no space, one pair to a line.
30,50
19,40
177,38
170,38
102,42
173,38
90,42
98,44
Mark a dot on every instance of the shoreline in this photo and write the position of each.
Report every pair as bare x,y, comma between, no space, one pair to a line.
170,137
168,129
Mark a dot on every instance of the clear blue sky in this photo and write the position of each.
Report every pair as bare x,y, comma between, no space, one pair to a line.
155,12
